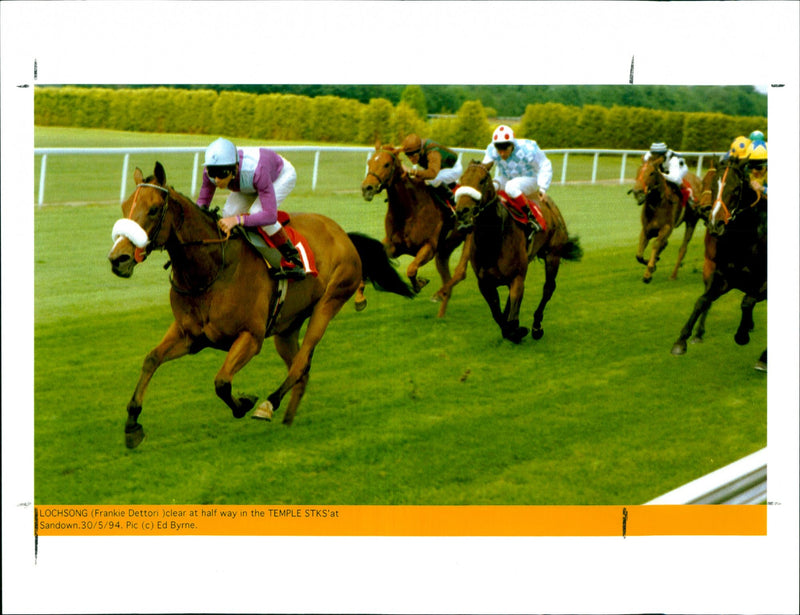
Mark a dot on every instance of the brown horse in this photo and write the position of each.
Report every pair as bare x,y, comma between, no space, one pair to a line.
223,297
415,224
501,252
661,213
735,253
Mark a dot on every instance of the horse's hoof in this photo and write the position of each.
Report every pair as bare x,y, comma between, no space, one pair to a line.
360,305
760,366
696,340
419,284
264,411
134,437
742,339
436,298
246,404
537,333
679,348
639,259
516,335
647,280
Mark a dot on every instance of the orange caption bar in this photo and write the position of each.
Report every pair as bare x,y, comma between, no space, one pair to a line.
718,520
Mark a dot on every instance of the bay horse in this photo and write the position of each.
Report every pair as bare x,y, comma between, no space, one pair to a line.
662,213
501,252
415,224
223,297
735,253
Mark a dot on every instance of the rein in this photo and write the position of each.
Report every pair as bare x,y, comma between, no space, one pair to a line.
388,182
140,253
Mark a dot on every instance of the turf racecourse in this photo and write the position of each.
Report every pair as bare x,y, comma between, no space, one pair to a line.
402,407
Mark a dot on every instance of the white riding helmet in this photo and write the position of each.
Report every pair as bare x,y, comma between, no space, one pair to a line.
503,134
221,153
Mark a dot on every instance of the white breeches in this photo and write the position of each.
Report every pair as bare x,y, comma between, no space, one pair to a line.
677,170
518,185
447,176
242,203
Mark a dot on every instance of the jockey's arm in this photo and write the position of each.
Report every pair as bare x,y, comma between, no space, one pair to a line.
434,166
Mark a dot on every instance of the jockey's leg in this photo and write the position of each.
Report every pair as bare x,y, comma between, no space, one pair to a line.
292,266
524,205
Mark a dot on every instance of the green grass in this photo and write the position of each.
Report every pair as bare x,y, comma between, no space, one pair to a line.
402,407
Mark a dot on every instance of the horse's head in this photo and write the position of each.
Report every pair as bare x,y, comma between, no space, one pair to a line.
476,190
142,228
648,178
731,193
382,167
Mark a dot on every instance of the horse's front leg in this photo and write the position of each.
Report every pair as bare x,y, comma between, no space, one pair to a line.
424,255
459,274
242,350
658,247
512,331
687,237
746,324
714,290
642,246
174,344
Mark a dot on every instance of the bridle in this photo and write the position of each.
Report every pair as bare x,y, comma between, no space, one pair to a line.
141,253
482,199
388,181
719,208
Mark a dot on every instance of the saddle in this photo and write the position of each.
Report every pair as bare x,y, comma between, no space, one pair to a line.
258,238
520,213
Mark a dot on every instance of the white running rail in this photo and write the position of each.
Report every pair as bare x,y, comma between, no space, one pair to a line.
742,482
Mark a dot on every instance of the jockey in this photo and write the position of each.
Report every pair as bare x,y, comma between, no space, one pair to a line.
523,170
437,165
674,168
757,166
259,180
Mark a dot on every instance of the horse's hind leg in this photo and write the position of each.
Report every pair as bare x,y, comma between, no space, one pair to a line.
551,266
459,274
300,364
287,347
360,299
687,237
423,256
174,345
242,350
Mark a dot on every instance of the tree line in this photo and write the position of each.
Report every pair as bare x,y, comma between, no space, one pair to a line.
511,100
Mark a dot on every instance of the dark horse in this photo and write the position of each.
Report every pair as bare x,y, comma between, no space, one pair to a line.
662,213
415,224
735,252
501,252
223,297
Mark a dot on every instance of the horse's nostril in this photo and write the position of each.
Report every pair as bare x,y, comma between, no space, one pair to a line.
122,258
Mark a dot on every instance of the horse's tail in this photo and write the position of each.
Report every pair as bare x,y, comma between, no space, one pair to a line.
572,250
376,266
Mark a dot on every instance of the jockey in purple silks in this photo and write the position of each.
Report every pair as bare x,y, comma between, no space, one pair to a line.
259,180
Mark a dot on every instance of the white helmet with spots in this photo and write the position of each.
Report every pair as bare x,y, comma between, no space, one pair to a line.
503,134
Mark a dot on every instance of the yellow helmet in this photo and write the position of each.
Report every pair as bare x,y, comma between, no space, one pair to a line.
757,151
739,147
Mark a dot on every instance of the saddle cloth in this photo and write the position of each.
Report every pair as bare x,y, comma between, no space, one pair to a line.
261,241
521,216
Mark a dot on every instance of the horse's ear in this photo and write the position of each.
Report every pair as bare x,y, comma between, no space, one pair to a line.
377,144
488,166
138,176
161,174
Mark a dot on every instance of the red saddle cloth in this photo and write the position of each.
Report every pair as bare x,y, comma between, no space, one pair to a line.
513,207
299,241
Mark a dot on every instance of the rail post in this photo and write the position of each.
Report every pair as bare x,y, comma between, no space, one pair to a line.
594,166
622,169
316,169
194,174
125,162
42,172
564,169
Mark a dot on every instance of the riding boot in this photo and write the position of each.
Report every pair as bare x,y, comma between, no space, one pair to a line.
524,206
444,195
291,265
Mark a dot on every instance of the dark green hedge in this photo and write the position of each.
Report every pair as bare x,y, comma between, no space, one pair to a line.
290,117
